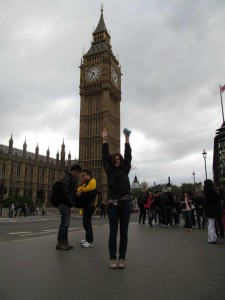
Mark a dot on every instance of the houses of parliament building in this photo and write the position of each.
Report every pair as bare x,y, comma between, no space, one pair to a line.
31,175
28,174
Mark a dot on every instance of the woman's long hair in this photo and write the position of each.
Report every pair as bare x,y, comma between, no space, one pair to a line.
113,158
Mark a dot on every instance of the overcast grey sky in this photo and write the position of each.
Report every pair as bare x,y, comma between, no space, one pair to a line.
172,59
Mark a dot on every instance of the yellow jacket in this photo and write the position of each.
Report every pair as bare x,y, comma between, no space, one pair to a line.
87,187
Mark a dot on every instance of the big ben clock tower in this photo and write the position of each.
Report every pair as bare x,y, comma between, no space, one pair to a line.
100,96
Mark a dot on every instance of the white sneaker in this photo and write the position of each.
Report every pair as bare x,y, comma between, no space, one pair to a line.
87,245
82,241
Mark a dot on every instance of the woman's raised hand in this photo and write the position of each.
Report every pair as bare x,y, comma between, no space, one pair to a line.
105,134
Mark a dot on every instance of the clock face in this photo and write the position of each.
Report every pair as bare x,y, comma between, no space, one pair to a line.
115,77
93,73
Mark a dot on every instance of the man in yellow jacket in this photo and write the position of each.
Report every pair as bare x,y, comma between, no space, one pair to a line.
85,195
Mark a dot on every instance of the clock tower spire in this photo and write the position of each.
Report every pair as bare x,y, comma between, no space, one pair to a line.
100,97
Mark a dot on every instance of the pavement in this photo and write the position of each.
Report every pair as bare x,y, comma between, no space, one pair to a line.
161,263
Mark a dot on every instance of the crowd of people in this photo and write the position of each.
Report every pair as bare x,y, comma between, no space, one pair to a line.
18,210
166,209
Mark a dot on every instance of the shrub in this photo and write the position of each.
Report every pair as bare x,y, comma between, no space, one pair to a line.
16,200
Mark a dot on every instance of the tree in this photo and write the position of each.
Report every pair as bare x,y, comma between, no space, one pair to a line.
16,200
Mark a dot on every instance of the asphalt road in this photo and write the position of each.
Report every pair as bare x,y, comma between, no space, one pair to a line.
161,263
34,226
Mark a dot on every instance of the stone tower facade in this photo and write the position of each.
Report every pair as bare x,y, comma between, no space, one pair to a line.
100,97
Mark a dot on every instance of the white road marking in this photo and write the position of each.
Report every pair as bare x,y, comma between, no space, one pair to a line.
37,233
75,228
22,232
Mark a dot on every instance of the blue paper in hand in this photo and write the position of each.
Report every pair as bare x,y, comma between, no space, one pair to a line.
127,131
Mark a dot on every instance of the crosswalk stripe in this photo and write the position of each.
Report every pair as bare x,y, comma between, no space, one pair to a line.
22,232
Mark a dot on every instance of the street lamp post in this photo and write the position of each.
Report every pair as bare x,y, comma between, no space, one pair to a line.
194,180
204,154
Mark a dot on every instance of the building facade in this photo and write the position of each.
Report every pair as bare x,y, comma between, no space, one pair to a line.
100,97
28,174
219,156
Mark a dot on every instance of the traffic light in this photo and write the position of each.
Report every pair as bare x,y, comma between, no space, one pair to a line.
5,190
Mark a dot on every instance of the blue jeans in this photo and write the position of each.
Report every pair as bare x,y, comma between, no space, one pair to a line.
188,219
65,222
118,215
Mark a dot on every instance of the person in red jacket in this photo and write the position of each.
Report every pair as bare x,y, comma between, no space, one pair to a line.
147,206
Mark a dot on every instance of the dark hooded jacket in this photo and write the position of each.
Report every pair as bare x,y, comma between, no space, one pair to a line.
118,180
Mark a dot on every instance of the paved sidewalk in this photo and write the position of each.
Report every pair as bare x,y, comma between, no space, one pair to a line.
162,263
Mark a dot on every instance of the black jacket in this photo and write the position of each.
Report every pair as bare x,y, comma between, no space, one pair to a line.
212,203
170,199
69,189
118,180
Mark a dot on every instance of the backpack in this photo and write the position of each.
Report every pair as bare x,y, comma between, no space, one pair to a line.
57,194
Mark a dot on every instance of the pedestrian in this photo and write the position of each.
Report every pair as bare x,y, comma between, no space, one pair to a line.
157,205
186,208
102,210
23,210
44,209
163,201
148,207
153,207
69,186
141,204
213,209
169,207
11,209
199,203
117,169
86,194
16,209
176,210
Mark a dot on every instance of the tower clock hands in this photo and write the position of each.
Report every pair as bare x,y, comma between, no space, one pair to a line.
93,73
